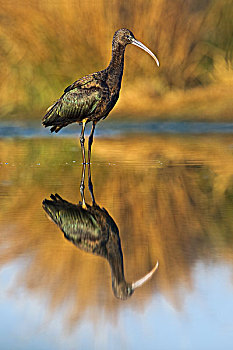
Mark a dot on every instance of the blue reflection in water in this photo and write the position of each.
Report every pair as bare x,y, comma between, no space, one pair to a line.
203,321
113,128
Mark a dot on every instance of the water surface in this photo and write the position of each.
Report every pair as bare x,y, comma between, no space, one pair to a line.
171,197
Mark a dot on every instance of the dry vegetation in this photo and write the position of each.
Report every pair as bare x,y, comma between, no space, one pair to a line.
45,45
171,198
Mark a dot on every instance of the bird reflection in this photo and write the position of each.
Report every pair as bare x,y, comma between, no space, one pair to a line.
92,229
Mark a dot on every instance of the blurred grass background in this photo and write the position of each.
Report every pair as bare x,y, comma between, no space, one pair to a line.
46,45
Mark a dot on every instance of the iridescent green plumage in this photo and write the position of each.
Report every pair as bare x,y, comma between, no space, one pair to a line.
78,102
83,227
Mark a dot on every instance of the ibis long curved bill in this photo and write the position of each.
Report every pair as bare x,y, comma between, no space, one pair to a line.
143,47
140,282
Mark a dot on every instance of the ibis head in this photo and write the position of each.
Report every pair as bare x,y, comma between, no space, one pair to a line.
125,36
123,290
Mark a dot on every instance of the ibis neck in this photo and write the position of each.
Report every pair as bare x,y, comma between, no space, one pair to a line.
116,65
116,271
118,279
115,259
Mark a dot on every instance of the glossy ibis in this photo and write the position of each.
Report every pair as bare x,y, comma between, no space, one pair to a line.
92,97
93,230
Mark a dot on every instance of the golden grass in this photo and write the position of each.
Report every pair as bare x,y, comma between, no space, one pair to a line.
171,198
46,45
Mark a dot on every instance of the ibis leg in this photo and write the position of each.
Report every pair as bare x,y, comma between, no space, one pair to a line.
90,185
82,186
90,141
82,140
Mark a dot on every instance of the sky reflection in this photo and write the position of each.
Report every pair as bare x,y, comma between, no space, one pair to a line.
204,320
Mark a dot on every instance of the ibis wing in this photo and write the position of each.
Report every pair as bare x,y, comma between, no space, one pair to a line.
77,224
74,105
89,81
77,104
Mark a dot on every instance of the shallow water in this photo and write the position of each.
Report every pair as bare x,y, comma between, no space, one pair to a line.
171,197
27,129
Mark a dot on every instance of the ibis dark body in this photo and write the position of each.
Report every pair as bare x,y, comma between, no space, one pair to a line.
93,230
92,97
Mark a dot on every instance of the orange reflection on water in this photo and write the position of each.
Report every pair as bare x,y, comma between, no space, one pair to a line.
171,198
